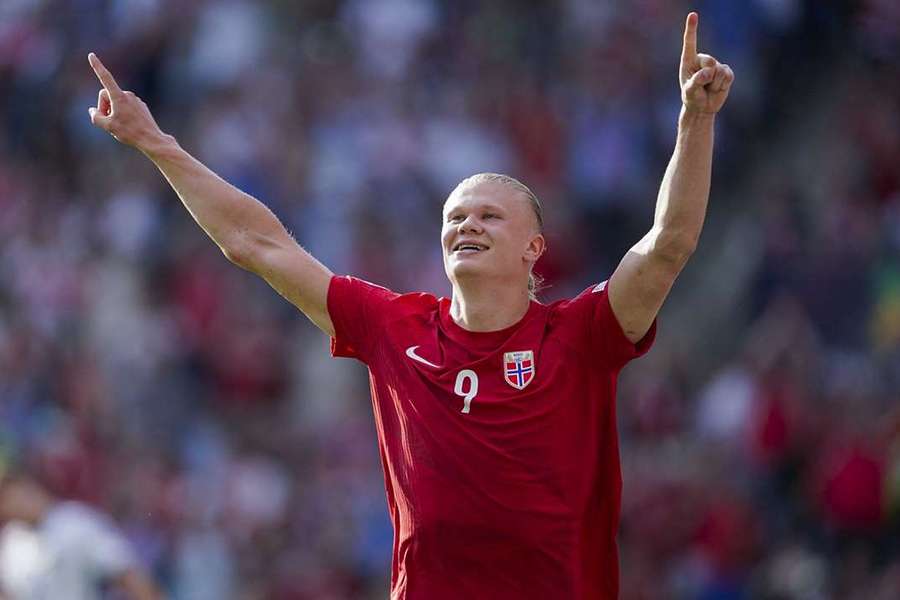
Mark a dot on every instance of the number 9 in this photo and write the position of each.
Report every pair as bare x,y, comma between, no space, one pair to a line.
466,374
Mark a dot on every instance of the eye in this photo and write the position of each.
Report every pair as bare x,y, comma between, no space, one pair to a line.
454,219
490,216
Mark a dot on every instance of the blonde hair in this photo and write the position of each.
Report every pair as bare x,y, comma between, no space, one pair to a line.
535,282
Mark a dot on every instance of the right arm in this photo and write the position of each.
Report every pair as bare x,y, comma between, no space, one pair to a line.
246,231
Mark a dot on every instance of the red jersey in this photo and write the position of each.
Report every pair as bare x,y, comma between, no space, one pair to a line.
499,449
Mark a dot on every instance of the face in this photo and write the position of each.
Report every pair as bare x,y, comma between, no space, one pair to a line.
489,232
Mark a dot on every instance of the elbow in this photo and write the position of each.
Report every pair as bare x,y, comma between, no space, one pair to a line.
677,248
249,250
238,253
233,255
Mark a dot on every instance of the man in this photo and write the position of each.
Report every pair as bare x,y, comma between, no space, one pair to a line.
495,413
56,549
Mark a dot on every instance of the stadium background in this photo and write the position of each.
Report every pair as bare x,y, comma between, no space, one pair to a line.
143,373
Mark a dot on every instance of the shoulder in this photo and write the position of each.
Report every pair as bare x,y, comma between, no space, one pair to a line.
582,304
362,311
574,319
355,303
591,320
360,289
415,302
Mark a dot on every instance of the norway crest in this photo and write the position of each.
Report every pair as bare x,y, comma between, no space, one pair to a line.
518,368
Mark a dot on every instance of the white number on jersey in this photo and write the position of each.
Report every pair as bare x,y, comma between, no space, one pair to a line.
461,378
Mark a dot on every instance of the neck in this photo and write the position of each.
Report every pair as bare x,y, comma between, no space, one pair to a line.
488,308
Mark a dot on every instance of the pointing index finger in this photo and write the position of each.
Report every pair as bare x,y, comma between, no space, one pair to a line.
105,77
689,50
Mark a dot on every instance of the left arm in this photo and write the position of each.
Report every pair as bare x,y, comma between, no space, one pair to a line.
641,282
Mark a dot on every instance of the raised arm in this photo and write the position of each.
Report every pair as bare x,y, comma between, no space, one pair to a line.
641,282
246,231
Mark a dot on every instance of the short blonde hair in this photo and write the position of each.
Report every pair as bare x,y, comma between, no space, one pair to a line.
534,281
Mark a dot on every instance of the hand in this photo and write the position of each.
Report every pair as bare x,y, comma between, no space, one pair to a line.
704,80
121,114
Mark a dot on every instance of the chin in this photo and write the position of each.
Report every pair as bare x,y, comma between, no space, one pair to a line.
464,270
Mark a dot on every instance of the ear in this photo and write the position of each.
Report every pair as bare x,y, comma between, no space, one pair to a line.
535,248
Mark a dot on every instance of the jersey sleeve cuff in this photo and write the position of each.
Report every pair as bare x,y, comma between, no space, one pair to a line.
338,296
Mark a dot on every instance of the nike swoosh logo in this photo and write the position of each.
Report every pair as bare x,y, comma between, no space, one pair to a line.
411,352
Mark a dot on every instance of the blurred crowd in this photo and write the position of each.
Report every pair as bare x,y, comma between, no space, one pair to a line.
143,373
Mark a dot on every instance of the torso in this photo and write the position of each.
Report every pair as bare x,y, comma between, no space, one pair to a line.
494,444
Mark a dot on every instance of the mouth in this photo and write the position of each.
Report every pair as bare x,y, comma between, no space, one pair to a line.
464,248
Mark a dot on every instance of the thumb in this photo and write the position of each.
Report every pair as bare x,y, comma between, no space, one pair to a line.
98,120
701,78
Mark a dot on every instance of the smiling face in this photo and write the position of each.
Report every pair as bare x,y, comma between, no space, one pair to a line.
490,233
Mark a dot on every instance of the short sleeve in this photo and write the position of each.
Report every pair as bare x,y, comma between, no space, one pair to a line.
609,334
607,339
358,311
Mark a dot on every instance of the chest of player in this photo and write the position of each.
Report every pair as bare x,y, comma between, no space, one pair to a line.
516,379
520,421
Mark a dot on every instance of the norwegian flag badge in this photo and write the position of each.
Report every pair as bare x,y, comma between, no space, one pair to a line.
518,368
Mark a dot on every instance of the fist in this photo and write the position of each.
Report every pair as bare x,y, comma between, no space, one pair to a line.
121,114
704,80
